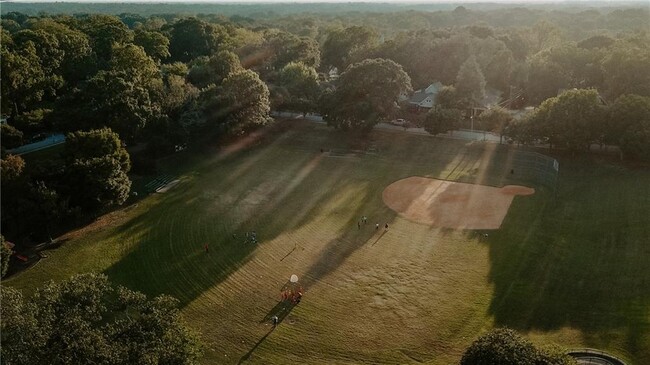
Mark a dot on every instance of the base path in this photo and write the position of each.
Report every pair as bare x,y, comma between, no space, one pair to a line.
448,204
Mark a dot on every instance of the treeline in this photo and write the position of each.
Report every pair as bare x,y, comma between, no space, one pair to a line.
172,81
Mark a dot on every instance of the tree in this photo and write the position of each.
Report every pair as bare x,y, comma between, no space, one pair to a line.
448,98
12,167
95,170
284,47
562,67
367,93
627,111
49,53
5,255
23,78
10,136
77,62
154,43
505,347
301,83
87,320
470,82
191,38
440,120
345,46
241,102
635,141
495,119
125,97
214,69
105,31
627,70
573,120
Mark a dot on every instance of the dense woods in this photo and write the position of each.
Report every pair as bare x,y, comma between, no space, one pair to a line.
169,80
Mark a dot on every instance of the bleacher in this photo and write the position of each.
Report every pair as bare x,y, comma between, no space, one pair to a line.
158,183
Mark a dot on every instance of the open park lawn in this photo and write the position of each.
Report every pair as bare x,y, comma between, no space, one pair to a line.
570,268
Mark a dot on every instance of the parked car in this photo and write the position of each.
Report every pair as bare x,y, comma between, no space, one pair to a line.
399,122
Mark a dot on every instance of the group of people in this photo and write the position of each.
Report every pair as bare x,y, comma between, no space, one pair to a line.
292,295
251,237
364,220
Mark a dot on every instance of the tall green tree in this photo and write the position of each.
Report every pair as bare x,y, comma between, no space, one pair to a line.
192,37
77,63
366,93
627,70
105,31
470,82
283,48
348,45
87,320
49,53
439,120
241,102
23,78
124,98
214,69
96,166
154,43
573,120
301,83
5,255
10,136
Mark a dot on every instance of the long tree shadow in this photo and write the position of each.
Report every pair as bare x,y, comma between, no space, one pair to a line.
580,260
166,250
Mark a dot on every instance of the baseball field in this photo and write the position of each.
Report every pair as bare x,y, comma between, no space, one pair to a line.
569,267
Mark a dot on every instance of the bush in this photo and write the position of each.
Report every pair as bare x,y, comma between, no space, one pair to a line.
11,137
504,346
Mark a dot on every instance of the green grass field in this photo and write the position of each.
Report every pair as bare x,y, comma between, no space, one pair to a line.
571,268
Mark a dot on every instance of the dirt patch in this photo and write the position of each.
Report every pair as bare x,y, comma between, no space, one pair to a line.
450,204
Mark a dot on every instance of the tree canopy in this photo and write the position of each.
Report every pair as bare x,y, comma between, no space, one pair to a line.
506,347
86,320
366,93
96,164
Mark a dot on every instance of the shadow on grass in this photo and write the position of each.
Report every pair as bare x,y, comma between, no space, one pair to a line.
580,261
250,352
219,202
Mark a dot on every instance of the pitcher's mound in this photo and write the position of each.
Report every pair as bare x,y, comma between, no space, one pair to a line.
449,204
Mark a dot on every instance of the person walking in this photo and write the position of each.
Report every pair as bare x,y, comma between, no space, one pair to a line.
376,226
359,225
275,321
386,227
205,247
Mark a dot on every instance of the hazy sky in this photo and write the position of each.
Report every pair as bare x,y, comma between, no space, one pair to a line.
600,2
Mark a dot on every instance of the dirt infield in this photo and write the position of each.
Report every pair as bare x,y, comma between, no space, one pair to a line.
449,204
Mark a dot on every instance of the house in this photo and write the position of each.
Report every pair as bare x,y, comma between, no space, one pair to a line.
491,98
333,73
424,98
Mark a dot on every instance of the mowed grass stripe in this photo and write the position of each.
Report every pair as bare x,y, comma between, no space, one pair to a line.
571,270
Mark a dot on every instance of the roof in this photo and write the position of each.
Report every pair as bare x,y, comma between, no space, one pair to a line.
418,97
431,91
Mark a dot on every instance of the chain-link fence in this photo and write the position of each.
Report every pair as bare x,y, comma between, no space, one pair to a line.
533,167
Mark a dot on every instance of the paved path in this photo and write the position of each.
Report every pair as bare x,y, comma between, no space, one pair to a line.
458,134
48,142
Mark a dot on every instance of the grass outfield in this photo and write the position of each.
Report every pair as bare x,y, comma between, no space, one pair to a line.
572,270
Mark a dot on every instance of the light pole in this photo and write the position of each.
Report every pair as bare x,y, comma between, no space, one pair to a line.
471,119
